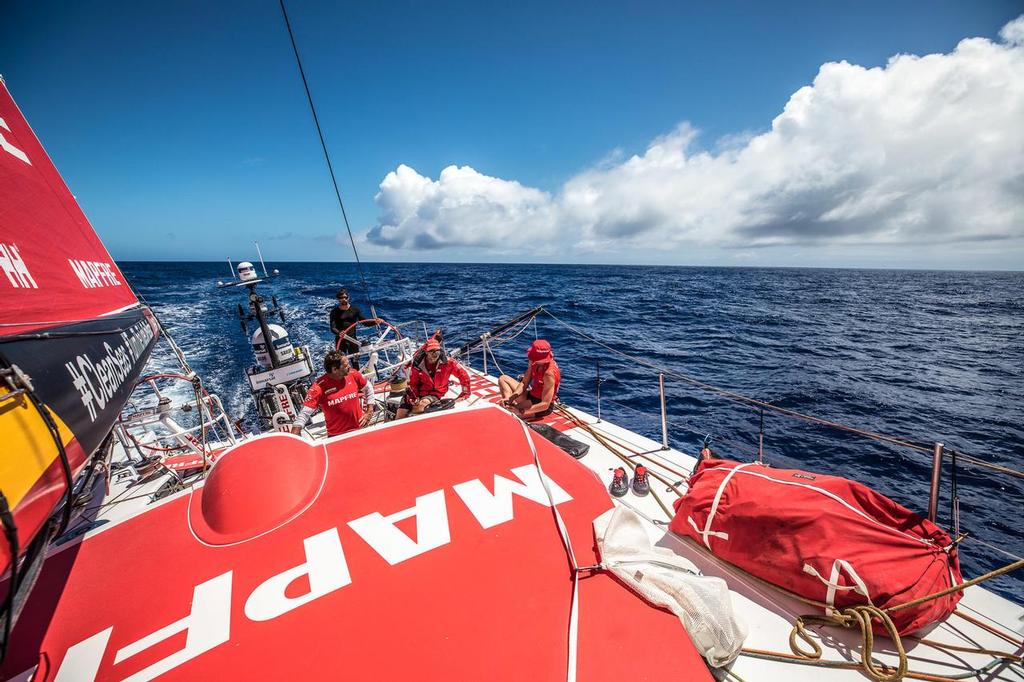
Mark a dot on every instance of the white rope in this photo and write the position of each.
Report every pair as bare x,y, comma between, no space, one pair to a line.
502,340
570,673
494,359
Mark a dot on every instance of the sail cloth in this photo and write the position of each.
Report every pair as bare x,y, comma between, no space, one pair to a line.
68,320
53,267
666,579
822,537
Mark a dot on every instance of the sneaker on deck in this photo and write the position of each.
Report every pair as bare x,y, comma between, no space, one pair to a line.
620,483
640,484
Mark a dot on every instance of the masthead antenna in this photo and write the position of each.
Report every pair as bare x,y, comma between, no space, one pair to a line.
260,254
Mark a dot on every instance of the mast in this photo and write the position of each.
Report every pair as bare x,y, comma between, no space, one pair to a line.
256,303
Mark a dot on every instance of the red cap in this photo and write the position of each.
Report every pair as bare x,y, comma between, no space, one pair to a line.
540,350
432,344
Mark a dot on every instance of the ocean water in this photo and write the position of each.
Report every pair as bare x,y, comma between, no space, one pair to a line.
926,356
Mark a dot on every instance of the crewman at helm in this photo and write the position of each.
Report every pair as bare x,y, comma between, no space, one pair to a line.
344,315
345,397
429,377
533,394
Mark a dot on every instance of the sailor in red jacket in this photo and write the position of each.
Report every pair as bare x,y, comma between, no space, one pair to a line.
534,393
341,394
428,379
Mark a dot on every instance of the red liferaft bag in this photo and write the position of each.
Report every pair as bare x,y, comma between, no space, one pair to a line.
822,537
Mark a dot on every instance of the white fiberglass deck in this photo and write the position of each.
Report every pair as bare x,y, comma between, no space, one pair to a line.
768,613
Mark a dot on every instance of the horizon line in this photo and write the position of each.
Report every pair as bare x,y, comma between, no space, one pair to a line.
600,265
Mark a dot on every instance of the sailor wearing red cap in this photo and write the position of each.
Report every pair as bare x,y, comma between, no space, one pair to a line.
341,394
534,393
431,372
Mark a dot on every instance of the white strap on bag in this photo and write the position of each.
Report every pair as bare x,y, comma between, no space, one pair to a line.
707,532
833,583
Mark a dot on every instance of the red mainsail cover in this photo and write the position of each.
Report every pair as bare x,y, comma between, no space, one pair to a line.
53,267
823,537
426,549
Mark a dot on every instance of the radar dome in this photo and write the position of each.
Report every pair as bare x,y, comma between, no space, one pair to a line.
280,342
246,271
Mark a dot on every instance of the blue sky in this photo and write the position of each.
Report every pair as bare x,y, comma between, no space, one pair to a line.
184,132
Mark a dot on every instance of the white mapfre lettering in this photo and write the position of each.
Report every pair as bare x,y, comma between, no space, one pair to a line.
82,661
94,274
207,625
10,148
14,267
490,510
393,545
325,567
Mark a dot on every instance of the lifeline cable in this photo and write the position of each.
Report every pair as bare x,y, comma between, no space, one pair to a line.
738,397
327,157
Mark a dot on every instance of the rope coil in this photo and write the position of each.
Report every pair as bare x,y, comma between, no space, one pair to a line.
855,616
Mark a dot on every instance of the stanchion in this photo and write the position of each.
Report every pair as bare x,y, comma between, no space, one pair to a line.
664,421
933,497
760,440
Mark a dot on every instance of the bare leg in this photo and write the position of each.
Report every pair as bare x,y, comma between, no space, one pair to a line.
402,413
522,404
507,385
420,405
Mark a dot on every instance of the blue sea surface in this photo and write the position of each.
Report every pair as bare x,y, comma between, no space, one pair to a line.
922,355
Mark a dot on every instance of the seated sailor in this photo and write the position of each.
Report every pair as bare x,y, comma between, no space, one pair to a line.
342,394
429,377
534,393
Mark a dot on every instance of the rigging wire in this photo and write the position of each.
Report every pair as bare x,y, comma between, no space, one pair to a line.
327,157
738,397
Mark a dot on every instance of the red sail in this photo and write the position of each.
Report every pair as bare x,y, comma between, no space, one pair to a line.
73,336
53,267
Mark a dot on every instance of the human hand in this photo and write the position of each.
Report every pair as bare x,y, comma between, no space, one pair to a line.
295,429
367,416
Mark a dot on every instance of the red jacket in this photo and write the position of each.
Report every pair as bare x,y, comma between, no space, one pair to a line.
537,372
422,384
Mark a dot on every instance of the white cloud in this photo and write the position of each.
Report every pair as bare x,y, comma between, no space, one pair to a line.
923,150
461,208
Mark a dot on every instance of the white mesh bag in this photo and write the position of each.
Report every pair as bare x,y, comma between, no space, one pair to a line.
665,579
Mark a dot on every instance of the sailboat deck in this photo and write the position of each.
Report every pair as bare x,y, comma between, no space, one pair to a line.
768,613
